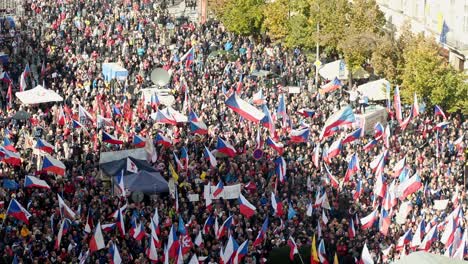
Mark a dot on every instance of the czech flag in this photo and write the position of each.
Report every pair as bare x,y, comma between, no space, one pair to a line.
10,157
405,239
211,157
223,230
246,208
198,127
31,182
353,167
219,189
370,145
65,211
322,253
331,86
410,186
351,229
138,141
53,165
267,120
355,135
244,109
441,125
97,240
76,124
277,206
334,150
44,146
241,252
299,136
276,146
110,139
385,219
261,233
399,166
209,222
369,220
280,169
333,181
378,130
343,117
438,111
258,98
155,101
419,234
430,237
172,243
108,227
306,112
161,118
16,210
225,148
8,145
358,191
164,141
115,255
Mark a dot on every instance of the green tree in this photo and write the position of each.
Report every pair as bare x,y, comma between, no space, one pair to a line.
299,34
243,17
385,60
366,23
428,75
276,19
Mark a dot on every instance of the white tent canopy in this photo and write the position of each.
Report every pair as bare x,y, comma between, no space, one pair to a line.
338,69
422,257
38,95
375,90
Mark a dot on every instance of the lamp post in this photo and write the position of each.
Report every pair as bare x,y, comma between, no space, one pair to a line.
317,59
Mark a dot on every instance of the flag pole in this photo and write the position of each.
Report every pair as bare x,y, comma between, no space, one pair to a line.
300,257
6,214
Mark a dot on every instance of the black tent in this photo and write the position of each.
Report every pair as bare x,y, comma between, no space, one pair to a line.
146,180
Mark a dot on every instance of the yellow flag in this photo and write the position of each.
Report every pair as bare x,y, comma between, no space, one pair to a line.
314,259
335,260
173,173
203,175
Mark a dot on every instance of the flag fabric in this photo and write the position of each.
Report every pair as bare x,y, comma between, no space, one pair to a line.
342,117
33,182
138,141
299,136
366,257
246,208
441,125
163,117
115,255
208,155
267,120
369,220
334,150
333,181
225,148
22,83
198,127
172,243
291,211
65,211
280,169
353,167
64,227
277,206
120,182
241,252
219,189
16,210
430,237
164,141
261,233
223,230
331,86
278,147
378,130
404,240
292,248
410,186
97,240
53,165
76,124
244,109
106,137
415,108
355,135
258,98
385,220
439,112
322,253
131,166
314,258
199,239
399,166
306,112
208,224
419,234
44,146
351,229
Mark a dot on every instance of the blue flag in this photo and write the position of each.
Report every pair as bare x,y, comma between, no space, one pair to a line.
291,212
10,184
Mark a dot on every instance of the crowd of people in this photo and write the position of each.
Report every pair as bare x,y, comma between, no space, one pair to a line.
63,45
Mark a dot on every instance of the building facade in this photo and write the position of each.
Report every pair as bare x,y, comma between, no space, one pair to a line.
445,20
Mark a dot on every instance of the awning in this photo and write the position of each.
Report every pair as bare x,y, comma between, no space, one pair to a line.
375,90
338,69
113,70
38,95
